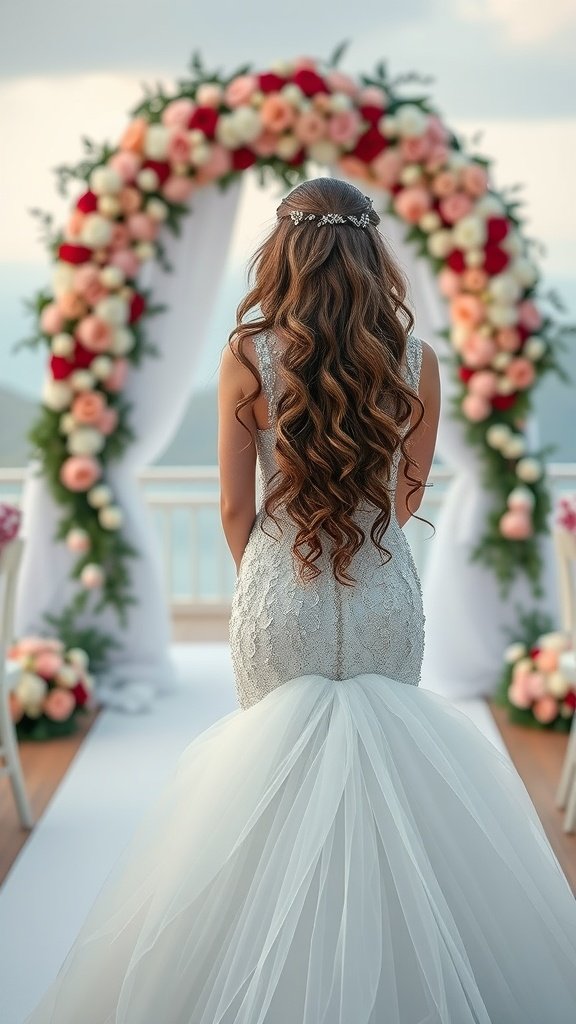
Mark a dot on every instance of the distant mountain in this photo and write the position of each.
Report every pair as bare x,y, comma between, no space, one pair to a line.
16,415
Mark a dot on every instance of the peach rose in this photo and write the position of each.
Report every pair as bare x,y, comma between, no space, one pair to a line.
130,201
309,128
265,144
344,127
74,224
277,114
449,283
120,237
217,165
414,150
412,203
387,167
436,129
80,472
437,159
455,206
516,525
444,184
95,334
135,135
467,310
546,660
177,188
529,315
88,407
126,260
322,102
508,339
47,664
240,90
371,96
483,383
51,319
545,710
477,351
142,227
108,421
117,378
352,167
179,147
475,408
126,164
85,277
178,113
16,707
59,704
474,279
474,180
337,81
521,372
209,95
518,694
71,305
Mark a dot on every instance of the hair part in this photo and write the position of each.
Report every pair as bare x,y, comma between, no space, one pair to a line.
336,297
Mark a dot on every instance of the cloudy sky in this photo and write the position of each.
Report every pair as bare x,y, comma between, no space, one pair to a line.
502,68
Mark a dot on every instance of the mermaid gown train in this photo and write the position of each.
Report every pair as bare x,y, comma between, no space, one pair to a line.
345,848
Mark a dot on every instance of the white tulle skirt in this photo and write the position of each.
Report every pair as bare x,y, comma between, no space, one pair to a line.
343,852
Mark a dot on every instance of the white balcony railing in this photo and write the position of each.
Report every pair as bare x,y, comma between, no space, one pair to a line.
198,569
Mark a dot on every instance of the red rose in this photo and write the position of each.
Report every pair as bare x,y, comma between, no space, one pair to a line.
74,253
310,83
534,652
243,158
137,307
81,357
570,699
269,82
205,120
60,368
504,402
465,373
161,167
88,202
297,159
369,146
497,228
81,694
495,260
371,114
456,261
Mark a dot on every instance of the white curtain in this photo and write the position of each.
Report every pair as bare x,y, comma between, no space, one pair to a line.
159,390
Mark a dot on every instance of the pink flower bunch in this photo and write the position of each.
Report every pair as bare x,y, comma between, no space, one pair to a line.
10,518
53,683
537,683
566,513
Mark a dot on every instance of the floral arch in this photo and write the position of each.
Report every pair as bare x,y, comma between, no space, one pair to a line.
96,318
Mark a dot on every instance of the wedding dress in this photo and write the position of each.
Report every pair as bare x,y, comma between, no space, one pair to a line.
346,847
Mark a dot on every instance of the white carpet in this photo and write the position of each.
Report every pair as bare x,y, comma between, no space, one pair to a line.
120,768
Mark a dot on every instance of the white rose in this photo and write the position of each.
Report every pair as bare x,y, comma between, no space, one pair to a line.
145,251
497,435
67,423
340,102
101,367
211,92
323,152
200,154
521,497
156,141
411,120
227,132
473,257
78,657
503,288
105,181
78,540
157,209
440,243
31,690
501,315
524,271
257,99
109,206
410,174
525,665
557,685
516,446
113,309
248,123
63,276
110,517
555,641
148,180
505,386
513,244
514,652
82,380
67,676
529,470
62,344
292,93
287,147
89,681
112,277
99,496
123,341
85,441
500,361
489,206
388,126
56,394
92,576
96,231
534,348
431,221
469,232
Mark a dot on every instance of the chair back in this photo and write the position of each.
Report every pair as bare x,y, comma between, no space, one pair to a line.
10,555
565,546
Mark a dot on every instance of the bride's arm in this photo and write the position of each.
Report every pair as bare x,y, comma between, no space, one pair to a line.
422,442
236,456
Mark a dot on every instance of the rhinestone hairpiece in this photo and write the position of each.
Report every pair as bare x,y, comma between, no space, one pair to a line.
362,221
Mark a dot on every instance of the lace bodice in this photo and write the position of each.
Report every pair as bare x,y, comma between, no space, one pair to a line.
281,628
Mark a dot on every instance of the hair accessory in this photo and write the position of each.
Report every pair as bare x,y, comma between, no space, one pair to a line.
362,221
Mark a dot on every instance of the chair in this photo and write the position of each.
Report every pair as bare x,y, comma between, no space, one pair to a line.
565,546
10,555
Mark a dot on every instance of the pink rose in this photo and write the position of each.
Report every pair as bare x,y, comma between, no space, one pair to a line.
344,127
95,334
265,144
74,224
529,315
521,372
71,305
51,319
16,707
518,693
546,660
454,207
120,237
387,167
372,96
545,710
412,203
130,201
59,704
438,157
47,664
475,408
277,114
474,279
436,129
86,276
108,421
337,81
209,95
516,525
467,310
352,167
444,184
477,351
483,383
177,188
415,149
310,127
80,472
126,164
240,90
142,227
508,339
179,147
178,113
474,180
126,260
448,283
87,408
117,378
218,164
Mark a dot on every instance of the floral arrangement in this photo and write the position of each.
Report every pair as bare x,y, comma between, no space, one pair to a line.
210,129
53,686
533,688
566,513
10,519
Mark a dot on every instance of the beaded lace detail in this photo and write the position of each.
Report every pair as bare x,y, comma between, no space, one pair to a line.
281,628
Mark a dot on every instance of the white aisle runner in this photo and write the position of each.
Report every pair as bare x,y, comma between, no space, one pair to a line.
118,771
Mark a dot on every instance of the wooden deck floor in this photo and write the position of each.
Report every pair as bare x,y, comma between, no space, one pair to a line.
537,756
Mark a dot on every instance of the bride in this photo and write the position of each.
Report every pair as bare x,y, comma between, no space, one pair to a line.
346,847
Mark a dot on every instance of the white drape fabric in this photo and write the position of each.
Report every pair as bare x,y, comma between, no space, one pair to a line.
159,390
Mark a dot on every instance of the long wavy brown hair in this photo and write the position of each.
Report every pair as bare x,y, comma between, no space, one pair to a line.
336,297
